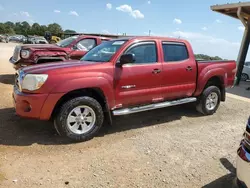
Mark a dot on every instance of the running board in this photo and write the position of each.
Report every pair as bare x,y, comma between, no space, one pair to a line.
126,111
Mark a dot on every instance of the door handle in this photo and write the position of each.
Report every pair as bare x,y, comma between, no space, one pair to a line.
189,68
156,71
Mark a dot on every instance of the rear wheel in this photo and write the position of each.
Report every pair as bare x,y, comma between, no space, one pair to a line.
79,119
244,77
209,100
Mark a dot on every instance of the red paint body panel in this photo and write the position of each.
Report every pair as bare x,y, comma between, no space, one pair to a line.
142,86
36,102
49,105
53,51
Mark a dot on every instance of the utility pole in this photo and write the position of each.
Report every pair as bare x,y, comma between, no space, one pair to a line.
149,32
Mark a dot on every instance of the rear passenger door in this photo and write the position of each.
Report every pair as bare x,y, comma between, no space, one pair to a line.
179,71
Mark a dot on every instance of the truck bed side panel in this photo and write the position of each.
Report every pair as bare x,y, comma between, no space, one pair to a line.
224,70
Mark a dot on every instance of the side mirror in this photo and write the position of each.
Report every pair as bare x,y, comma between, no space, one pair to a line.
75,47
127,58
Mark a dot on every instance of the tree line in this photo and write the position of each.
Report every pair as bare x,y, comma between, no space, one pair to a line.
24,28
207,57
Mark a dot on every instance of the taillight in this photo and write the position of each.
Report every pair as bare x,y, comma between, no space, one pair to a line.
248,126
234,70
244,154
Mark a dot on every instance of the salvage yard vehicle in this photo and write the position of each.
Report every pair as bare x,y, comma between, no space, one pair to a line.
71,48
4,38
243,159
246,72
35,40
120,77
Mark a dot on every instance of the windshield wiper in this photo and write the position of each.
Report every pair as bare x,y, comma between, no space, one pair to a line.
89,60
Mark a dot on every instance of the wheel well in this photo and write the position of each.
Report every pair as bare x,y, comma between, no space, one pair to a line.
95,93
217,81
40,61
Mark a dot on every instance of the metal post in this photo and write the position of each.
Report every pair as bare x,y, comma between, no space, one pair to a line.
243,53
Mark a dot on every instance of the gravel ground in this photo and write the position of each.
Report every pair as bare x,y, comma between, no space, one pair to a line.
172,147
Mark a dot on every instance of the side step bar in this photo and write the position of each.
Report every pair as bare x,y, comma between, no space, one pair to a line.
126,111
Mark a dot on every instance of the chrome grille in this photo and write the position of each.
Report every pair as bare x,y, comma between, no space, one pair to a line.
16,85
16,55
18,79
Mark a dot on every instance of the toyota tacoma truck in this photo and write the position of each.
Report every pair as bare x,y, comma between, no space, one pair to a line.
70,48
120,77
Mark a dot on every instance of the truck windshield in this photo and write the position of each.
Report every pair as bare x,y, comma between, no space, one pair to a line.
104,52
66,42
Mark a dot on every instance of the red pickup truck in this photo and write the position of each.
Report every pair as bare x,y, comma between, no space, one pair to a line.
70,48
120,77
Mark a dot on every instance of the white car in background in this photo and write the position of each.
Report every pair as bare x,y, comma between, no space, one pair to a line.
246,72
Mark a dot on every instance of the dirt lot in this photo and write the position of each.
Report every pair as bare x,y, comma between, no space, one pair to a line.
174,147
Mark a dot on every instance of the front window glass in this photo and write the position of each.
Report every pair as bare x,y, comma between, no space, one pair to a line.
86,44
144,53
104,52
66,42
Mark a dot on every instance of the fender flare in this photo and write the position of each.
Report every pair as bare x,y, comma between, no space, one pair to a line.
206,76
88,82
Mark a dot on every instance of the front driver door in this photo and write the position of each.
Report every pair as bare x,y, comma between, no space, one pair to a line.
139,82
82,47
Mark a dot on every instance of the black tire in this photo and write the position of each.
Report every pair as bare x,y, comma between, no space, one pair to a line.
202,107
60,121
244,77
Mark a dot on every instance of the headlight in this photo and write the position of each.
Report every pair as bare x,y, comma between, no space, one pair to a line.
33,82
25,54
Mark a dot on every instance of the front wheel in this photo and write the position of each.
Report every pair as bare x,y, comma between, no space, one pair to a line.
209,101
79,119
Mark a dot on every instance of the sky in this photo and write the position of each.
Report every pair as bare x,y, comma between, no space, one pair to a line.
209,32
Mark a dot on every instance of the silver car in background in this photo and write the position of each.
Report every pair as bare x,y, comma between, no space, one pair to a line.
246,72
243,159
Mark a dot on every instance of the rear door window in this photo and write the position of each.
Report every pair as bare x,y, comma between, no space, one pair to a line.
174,51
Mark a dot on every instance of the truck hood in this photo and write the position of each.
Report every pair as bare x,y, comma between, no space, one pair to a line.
41,46
58,67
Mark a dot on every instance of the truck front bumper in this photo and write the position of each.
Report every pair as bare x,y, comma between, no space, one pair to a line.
36,106
243,167
28,105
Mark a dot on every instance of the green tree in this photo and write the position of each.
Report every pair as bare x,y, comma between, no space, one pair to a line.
55,29
206,57
43,29
5,29
18,28
2,28
10,24
25,28
35,29
69,31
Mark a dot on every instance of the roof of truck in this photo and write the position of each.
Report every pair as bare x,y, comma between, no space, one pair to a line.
152,38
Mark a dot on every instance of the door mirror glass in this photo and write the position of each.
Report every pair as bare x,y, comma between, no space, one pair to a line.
75,47
127,58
